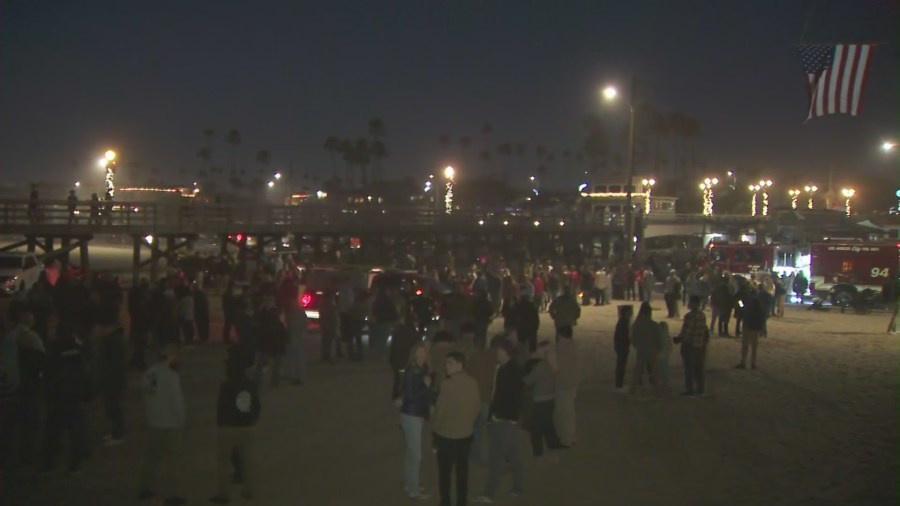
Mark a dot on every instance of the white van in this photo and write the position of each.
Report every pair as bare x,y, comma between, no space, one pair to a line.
18,271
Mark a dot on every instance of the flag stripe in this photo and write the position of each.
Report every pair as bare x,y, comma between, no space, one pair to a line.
835,77
849,70
860,78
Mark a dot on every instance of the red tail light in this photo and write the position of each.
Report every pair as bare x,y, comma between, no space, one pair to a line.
306,300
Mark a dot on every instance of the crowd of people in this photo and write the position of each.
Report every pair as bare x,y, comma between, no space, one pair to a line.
476,393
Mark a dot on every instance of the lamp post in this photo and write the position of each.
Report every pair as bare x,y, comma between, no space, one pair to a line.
795,197
108,163
648,185
610,93
848,194
449,174
888,146
765,185
811,190
754,189
707,187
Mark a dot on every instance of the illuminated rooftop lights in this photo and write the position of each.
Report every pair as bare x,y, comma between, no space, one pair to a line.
449,172
610,93
505,223
270,184
481,222
110,155
537,223
278,175
562,223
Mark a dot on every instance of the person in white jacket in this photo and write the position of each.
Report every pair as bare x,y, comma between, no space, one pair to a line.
601,287
165,412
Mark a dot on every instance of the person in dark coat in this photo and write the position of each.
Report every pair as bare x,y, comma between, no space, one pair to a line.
68,387
237,411
622,343
272,341
527,322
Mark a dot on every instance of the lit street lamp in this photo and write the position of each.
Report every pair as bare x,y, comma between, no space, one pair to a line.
848,194
811,190
610,93
648,185
449,174
795,197
765,185
707,187
754,189
108,163
888,146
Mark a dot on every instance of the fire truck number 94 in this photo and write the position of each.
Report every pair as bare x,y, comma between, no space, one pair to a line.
879,273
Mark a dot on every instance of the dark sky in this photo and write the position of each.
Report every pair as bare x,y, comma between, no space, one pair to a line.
147,77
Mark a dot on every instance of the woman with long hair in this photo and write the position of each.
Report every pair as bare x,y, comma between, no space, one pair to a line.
415,405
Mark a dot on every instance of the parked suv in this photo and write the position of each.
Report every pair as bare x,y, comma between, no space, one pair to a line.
18,271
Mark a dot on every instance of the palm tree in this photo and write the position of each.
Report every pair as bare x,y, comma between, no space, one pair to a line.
332,145
444,141
377,131
540,151
379,152
690,129
362,155
677,122
486,130
233,138
263,157
346,150
520,149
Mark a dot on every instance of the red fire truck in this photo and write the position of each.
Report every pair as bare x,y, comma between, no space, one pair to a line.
741,257
848,271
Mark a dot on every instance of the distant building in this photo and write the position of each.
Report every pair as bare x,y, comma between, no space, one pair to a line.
606,202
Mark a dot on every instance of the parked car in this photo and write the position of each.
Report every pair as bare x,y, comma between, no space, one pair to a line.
18,271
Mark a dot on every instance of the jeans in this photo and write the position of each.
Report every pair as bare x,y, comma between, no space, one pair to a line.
453,454
693,368
542,428
644,362
724,320
229,441
412,435
296,359
479,448
504,450
162,445
750,340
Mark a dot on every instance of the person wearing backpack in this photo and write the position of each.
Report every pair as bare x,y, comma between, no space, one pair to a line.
238,409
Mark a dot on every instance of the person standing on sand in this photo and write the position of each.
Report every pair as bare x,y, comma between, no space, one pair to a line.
693,338
166,418
622,343
755,312
503,428
455,412
645,340
237,411
414,400
540,379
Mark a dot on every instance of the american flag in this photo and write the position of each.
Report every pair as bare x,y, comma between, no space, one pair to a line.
835,74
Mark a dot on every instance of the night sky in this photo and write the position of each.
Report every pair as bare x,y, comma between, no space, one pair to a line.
148,77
